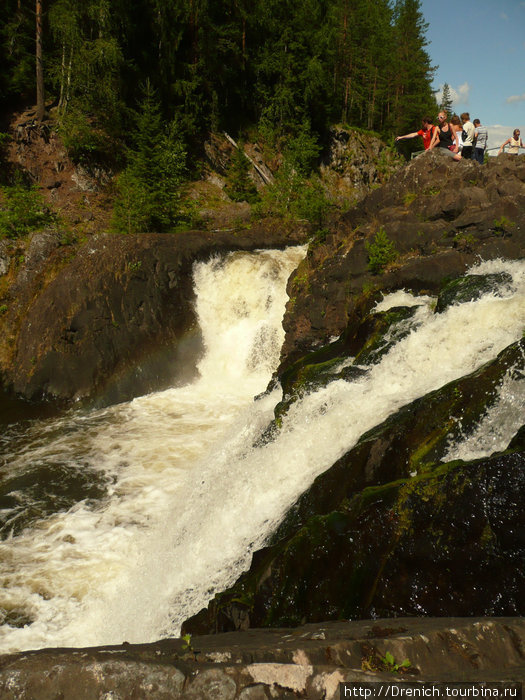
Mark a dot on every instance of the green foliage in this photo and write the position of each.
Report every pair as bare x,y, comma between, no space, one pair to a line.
84,141
186,642
22,210
239,187
227,65
297,193
148,190
381,252
503,225
302,151
17,47
391,665
85,68
294,196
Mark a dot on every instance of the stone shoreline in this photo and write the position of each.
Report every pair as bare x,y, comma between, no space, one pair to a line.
258,664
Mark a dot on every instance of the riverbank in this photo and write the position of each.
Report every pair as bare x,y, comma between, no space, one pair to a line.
304,662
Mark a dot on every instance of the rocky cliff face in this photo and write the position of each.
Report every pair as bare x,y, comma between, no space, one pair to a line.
440,215
113,318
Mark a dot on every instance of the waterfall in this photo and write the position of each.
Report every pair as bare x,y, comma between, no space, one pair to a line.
182,492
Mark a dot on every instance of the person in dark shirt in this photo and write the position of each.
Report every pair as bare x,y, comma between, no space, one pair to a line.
445,138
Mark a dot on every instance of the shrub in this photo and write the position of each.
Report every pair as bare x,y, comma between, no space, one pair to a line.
239,186
84,141
22,210
381,252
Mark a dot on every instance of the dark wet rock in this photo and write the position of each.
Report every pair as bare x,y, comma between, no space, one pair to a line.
447,541
399,532
470,288
306,662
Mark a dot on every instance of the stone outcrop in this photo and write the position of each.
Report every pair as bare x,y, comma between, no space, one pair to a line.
441,215
306,662
354,162
113,317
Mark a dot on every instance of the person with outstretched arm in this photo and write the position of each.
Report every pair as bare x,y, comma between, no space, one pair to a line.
426,132
515,143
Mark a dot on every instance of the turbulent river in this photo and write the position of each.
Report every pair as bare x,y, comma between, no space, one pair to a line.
119,523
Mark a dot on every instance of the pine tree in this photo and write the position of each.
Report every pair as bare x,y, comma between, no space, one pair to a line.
239,186
39,61
411,68
149,188
446,100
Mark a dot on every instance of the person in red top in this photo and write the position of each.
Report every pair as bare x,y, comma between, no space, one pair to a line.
426,133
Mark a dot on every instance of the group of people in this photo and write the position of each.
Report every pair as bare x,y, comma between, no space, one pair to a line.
460,138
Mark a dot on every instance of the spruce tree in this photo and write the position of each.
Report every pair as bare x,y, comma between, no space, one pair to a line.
411,66
148,197
239,186
446,99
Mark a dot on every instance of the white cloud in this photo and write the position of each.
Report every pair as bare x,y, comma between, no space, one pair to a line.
516,98
459,95
463,93
504,16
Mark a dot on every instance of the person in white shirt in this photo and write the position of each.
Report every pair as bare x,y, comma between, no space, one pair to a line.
515,143
481,135
468,136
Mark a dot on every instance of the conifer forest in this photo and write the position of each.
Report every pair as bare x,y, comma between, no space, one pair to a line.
277,66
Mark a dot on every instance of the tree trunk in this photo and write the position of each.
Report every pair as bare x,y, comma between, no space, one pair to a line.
40,100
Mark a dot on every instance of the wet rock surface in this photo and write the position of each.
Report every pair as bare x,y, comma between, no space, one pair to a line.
306,662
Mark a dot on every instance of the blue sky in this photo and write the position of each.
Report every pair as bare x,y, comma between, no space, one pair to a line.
479,48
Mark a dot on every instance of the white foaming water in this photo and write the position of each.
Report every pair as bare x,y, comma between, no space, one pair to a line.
498,426
192,497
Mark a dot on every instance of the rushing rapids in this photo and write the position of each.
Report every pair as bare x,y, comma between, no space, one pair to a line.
120,523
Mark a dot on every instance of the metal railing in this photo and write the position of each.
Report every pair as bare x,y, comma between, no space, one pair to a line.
521,151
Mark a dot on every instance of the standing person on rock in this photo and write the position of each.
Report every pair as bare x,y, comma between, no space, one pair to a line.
481,135
445,138
514,142
468,136
426,132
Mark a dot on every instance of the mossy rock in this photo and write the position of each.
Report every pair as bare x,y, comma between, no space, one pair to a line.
450,542
412,440
386,329
470,288
376,335
390,530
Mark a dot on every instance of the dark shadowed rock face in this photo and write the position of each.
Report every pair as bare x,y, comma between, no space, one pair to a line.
117,319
